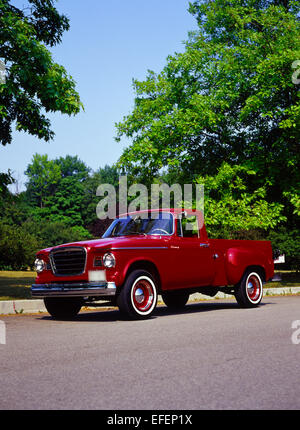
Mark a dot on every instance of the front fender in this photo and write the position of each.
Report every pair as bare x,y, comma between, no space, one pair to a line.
127,259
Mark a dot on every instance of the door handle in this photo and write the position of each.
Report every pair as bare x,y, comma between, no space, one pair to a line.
204,245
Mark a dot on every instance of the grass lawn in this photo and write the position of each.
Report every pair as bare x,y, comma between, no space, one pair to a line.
289,279
16,285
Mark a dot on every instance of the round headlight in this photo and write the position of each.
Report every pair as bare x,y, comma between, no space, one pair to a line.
39,265
109,260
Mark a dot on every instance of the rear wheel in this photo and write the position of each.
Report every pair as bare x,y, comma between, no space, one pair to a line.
175,299
138,296
64,307
249,290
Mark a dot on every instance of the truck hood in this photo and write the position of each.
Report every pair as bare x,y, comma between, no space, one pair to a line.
116,242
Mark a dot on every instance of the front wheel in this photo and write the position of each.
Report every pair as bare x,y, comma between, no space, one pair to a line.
63,308
138,296
249,290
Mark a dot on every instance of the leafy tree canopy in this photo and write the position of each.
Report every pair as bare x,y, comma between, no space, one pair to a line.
5,180
72,166
229,97
44,175
230,206
34,83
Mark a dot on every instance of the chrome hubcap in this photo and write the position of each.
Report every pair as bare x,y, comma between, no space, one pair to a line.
143,295
139,295
253,288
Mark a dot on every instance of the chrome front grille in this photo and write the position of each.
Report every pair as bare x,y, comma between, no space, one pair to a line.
68,261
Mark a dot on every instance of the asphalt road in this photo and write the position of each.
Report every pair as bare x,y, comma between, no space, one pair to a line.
212,355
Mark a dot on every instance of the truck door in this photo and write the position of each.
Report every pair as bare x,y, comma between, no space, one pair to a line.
194,260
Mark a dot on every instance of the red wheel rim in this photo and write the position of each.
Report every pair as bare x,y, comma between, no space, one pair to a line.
253,287
143,295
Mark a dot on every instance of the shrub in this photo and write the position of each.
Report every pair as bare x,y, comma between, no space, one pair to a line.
17,247
288,243
55,233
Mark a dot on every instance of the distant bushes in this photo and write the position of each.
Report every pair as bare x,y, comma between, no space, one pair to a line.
58,206
19,244
55,233
17,247
288,243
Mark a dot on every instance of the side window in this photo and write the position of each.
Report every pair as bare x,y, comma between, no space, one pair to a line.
190,226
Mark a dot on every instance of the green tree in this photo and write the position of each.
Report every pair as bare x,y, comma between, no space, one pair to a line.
6,179
15,209
44,175
287,241
104,175
34,83
228,97
67,203
54,232
56,190
232,207
73,166
17,247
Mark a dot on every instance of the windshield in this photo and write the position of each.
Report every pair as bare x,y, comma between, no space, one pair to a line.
160,223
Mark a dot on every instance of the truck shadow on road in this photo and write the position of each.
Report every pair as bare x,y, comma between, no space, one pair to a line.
113,314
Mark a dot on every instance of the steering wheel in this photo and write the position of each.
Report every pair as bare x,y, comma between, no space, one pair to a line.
159,229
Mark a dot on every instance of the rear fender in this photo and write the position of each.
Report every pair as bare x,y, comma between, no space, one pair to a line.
238,259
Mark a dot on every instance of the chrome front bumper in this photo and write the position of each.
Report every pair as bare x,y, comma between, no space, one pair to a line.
87,289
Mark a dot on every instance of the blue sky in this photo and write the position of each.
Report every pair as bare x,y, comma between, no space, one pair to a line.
109,43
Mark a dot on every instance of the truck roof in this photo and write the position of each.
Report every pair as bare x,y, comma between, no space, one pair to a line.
175,211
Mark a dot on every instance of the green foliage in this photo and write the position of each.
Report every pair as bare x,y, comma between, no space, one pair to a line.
6,179
228,97
105,175
17,247
19,243
43,176
72,166
15,209
34,82
229,204
288,243
54,209
55,233
226,113
62,189
67,204
294,198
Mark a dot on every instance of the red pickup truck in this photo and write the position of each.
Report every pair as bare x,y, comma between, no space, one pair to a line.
146,254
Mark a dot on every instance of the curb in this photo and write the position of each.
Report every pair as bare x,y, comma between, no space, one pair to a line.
37,305
280,291
21,306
